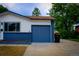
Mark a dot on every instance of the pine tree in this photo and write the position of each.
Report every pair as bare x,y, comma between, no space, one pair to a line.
2,9
36,12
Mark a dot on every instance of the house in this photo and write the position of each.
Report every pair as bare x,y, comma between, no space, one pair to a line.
15,27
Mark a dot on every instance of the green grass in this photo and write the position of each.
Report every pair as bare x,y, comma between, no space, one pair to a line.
77,40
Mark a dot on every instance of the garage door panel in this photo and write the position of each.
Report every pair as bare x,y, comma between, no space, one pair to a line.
41,33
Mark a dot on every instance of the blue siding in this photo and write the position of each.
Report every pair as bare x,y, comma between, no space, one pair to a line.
52,30
14,42
51,34
42,33
16,38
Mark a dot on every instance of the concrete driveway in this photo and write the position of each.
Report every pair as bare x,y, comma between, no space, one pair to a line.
65,48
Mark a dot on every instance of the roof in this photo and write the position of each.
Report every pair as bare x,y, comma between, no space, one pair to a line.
40,17
30,17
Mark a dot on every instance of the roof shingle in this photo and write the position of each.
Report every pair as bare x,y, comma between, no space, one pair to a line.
40,17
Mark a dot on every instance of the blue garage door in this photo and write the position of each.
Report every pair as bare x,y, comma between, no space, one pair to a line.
41,33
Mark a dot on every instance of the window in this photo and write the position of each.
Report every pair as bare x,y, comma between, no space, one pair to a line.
10,26
1,26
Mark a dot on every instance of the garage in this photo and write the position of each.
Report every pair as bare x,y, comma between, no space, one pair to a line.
41,33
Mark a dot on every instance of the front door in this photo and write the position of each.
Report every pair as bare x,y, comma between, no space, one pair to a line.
1,30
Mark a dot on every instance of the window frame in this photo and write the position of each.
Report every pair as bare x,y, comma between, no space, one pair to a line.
8,27
2,23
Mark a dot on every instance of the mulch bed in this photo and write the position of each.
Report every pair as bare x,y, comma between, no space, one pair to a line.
12,50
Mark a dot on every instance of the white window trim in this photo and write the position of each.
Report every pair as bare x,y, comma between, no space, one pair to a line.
8,26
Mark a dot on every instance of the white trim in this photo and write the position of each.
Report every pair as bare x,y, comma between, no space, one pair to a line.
1,32
8,26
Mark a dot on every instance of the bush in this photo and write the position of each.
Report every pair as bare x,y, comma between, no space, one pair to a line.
69,35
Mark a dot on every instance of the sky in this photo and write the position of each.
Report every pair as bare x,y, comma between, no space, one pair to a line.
27,8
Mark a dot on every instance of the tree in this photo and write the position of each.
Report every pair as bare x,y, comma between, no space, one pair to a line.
2,9
65,16
36,12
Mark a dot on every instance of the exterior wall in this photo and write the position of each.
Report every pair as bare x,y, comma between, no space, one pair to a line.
25,23
52,30
17,36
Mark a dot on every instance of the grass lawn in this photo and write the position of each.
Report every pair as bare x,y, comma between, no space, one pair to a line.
77,40
12,50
